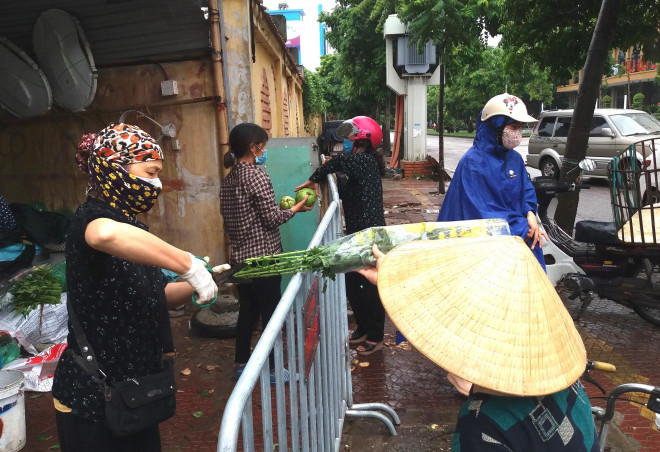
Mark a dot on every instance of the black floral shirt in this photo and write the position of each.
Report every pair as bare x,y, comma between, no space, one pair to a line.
362,195
120,305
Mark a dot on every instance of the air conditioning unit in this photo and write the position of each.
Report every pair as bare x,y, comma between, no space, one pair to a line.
410,61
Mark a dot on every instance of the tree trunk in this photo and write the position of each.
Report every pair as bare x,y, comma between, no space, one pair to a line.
578,133
387,145
440,127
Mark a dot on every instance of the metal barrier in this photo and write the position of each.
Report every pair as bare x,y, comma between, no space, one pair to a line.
313,312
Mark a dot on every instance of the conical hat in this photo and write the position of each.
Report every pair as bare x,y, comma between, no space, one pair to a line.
483,309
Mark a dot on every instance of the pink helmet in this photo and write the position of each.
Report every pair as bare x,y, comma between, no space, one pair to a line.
361,128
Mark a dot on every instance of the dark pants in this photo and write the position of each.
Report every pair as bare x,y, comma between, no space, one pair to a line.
80,435
367,307
257,299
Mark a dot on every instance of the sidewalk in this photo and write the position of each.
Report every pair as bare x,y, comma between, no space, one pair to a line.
398,375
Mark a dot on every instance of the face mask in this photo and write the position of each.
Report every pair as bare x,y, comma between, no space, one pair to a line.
120,189
348,146
511,137
153,181
260,160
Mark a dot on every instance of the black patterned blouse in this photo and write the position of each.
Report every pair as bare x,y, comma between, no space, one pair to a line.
362,197
119,304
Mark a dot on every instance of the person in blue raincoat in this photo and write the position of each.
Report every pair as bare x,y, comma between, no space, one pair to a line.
491,181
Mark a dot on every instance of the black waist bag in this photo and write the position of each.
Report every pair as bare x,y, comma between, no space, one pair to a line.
134,405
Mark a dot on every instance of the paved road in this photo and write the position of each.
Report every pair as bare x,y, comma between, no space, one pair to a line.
594,203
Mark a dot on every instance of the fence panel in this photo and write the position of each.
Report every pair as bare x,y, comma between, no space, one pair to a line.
313,313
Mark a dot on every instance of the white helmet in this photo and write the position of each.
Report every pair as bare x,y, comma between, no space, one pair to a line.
506,105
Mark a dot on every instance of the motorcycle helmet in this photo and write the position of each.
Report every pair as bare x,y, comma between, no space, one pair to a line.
506,105
361,128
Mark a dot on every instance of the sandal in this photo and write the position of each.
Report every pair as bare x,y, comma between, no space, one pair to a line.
355,337
367,348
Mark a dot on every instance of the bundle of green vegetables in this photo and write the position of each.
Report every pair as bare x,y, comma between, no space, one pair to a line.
38,288
353,251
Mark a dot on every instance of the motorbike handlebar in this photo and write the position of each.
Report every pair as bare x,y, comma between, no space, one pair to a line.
599,365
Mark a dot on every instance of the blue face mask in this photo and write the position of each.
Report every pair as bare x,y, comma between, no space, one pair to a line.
348,146
260,160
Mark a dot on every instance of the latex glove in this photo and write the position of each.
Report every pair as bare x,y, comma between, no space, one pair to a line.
199,277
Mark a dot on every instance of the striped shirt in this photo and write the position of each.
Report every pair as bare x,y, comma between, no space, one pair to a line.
251,214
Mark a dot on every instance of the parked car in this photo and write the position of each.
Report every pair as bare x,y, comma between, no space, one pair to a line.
611,132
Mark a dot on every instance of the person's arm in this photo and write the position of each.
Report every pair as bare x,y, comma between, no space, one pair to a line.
333,165
178,293
135,245
141,247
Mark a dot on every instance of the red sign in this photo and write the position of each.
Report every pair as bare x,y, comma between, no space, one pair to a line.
311,325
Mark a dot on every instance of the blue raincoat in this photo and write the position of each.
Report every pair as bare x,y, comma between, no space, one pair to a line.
491,182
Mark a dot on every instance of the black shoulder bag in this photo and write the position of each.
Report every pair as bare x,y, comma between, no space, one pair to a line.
132,405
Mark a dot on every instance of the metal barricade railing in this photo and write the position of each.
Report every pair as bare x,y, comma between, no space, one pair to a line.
310,410
634,193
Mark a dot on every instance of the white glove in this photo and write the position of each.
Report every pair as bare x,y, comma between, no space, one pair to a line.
222,268
201,280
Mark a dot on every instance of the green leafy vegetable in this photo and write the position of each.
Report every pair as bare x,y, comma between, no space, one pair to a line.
353,251
37,288
198,414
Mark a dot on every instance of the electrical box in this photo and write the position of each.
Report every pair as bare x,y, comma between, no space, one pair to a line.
169,88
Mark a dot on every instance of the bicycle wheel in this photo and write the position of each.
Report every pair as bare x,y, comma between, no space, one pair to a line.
650,314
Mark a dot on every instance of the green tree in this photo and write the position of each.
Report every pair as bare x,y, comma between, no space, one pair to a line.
360,56
313,100
331,83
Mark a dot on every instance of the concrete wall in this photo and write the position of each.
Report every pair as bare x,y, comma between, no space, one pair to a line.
38,154
267,91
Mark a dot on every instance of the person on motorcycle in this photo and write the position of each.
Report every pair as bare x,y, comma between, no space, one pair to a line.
491,181
483,309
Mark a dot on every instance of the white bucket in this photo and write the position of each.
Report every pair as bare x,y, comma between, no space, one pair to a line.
12,411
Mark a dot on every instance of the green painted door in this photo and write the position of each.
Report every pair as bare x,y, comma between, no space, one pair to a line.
290,163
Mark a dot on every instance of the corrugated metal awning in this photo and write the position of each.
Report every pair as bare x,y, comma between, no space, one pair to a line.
119,31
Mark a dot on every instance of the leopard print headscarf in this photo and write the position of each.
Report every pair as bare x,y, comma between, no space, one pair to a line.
117,145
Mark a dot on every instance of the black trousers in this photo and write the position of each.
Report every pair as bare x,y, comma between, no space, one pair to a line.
258,298
79,435
367,307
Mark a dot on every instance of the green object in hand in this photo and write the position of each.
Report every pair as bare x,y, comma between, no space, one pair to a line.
300,195
37,288
287,202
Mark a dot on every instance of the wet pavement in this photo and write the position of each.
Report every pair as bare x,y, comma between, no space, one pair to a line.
397,375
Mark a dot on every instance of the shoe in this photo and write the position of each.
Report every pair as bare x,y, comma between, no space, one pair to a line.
239,371
285,377
355,337
366,348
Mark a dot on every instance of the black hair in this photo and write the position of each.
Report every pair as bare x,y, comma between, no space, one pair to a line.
369,149
241,138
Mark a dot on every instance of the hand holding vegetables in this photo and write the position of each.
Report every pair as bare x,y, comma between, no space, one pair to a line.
371,273
354,251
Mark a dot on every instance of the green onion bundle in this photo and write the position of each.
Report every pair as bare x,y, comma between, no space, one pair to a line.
38,288
353,251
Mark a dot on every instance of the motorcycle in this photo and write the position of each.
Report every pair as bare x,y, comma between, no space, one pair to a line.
598,261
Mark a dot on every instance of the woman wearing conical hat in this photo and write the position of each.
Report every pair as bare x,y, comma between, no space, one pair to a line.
484,310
